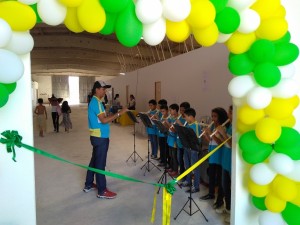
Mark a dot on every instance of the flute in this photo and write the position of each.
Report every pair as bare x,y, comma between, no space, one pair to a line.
154,115
209,126
223,124
172,126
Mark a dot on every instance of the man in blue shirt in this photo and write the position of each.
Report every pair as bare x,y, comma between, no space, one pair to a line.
99,137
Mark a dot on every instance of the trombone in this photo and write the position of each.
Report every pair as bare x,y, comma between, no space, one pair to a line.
223,124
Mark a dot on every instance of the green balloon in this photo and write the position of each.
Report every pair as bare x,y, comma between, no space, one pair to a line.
285,39
38,18
267,74
10,87
114,6
253,150
228,20
110,23
259,203
129,29
292,151
262,51
288,137
285,53
4,94
291,214
240,64
219,4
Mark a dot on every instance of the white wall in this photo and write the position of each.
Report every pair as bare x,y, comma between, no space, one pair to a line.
17,184
45,87
199,77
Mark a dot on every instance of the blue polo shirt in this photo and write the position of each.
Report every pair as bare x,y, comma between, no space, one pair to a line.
172,137
97,129
196,128
182,121
152,130
227,151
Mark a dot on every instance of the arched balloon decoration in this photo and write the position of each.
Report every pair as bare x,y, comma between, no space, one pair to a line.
261,60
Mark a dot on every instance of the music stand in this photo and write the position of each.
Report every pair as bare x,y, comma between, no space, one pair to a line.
134,153
147,122
189,141
163,178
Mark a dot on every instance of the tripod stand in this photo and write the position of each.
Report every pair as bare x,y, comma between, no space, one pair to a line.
134,155
146,121
189,141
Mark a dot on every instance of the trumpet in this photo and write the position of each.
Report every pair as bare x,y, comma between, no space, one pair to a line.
223,124
208,126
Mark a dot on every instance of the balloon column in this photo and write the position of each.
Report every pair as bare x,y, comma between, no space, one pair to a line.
264,87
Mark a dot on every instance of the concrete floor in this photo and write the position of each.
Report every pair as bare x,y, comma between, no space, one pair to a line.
59,196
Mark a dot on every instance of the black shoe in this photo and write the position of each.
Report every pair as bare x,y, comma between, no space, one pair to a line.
207,197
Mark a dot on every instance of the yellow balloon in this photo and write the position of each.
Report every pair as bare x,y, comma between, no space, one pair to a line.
280,12
284,188
207,36
265,8
243,128
177,31
202,14
258,190
20,17
91,16
71,21
71,3
294,101
272,29
249,116
296,200
288,121
239,43
280,108
268,130
274,204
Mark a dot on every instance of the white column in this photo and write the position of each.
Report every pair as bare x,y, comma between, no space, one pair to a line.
17,184
242,211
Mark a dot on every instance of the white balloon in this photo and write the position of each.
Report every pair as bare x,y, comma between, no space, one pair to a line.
176,10
250,21
28,2
20,43
238,101
154,33
52,12
222,38
5,33
281,163
11,67
266,218
240,4
259,97
239,86
295,173
287,71
262,174
286,88
148,11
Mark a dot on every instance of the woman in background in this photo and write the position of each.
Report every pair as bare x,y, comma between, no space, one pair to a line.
66,110
131,104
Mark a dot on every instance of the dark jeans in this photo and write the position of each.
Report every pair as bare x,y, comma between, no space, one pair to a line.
227,188
55,120
98,161
180,155
174,162
215,180
163,149
154,144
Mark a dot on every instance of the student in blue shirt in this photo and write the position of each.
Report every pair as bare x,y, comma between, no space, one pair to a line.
99,137
191,155
152,113
162,138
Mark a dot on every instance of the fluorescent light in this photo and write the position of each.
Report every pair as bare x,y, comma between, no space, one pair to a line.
122,74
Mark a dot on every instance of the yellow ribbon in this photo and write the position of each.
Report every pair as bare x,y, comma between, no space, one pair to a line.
154,206
167,203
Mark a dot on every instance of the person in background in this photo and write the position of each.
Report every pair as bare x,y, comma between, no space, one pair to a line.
99,136
41,112
55,116
89,97
66,110
131,104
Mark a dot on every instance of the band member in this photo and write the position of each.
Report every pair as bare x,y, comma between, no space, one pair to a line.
152,131
162,138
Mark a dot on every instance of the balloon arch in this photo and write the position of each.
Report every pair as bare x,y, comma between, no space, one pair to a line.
261,59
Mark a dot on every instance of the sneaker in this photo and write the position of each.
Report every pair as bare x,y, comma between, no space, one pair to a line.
194,190
221,210
227,219
157,158
207,197
173,174
153,157
185,184
87,189
107,194
218,205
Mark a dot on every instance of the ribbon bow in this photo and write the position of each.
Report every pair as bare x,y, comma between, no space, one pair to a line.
170,187
12,139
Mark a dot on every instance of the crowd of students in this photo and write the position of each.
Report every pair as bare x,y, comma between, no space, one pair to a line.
176,158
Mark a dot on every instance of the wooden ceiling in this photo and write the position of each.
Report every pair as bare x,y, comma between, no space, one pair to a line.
58,51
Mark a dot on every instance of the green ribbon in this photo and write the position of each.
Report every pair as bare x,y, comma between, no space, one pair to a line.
12,138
